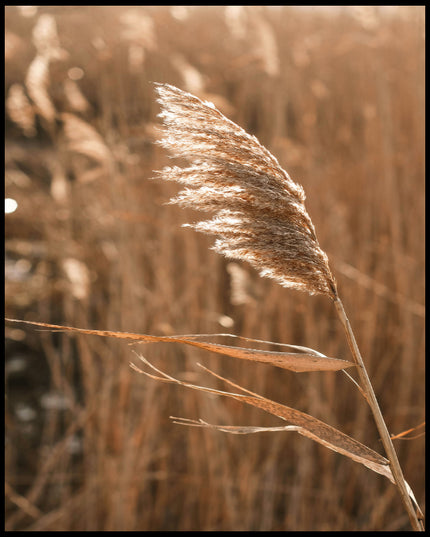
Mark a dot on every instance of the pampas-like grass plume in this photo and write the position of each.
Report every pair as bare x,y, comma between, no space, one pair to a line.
260,215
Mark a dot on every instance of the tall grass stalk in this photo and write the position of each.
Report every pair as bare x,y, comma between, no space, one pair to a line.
339,99
260,217
367,387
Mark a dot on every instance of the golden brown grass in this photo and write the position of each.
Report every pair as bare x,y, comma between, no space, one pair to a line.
340,102
260,215
260,218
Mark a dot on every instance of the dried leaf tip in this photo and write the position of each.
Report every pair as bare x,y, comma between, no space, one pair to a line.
259,212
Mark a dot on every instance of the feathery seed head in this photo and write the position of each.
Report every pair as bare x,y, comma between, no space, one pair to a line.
260,215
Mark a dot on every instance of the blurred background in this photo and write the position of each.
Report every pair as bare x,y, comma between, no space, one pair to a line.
337,95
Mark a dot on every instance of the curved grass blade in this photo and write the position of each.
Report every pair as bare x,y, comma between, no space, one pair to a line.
309,360
304,424
300,422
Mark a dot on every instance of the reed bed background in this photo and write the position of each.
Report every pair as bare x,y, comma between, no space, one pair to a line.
338,98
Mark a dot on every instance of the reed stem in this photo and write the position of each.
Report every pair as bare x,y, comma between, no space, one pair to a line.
379,420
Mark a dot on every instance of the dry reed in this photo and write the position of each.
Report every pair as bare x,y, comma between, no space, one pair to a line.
340,101
261,218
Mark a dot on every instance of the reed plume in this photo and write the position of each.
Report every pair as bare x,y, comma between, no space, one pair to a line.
260,217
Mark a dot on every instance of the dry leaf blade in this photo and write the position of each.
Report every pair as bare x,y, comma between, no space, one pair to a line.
297,362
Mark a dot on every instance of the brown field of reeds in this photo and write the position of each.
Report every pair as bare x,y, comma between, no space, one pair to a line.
338,97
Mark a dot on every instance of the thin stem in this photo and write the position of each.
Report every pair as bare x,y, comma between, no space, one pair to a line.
379,420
